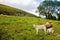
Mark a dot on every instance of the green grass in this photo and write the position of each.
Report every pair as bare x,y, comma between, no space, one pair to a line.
21,28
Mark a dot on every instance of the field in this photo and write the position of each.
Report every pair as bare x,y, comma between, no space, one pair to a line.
21,28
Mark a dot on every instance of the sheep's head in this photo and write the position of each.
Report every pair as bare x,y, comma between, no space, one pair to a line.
48,24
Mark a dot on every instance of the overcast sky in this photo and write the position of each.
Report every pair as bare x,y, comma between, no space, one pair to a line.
28,5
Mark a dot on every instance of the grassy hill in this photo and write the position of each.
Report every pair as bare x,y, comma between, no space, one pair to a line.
21,28
7,10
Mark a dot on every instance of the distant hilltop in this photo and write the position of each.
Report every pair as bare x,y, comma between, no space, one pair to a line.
7,10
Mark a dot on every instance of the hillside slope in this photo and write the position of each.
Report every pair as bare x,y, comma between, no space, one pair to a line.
21,28
7,10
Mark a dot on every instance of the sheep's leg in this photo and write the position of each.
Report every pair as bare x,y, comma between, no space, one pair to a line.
52,30
45,30
36,31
